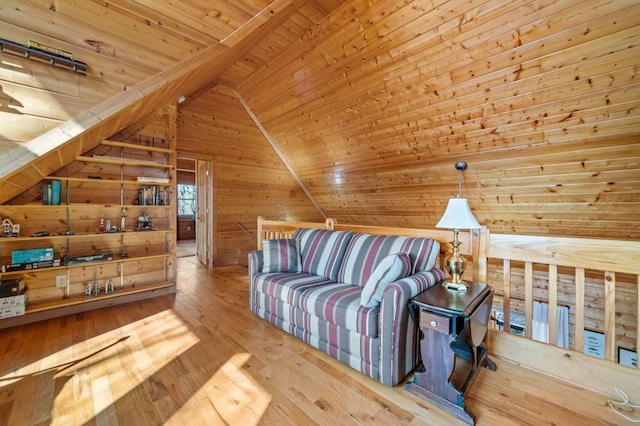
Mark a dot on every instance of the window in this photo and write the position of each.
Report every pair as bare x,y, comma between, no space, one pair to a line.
186,199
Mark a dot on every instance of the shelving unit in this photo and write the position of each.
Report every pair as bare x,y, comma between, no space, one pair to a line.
102,186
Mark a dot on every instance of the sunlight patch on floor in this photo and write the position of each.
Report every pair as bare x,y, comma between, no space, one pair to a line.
233,395
108,366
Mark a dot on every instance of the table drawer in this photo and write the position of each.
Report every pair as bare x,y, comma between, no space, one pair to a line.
436,322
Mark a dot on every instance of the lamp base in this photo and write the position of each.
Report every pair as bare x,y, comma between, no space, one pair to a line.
455,265
460,287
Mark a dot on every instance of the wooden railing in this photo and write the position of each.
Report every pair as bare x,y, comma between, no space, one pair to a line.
604,257
531,264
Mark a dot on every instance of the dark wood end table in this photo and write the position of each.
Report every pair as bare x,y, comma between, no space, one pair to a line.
454,326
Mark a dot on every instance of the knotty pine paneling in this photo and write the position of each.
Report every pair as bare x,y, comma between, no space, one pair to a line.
249,178
123,44
374,106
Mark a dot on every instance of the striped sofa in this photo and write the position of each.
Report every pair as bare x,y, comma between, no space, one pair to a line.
347,294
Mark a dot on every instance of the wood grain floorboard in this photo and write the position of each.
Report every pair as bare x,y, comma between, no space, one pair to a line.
202,358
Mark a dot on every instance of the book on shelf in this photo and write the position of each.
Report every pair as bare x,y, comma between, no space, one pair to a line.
152,196
51,193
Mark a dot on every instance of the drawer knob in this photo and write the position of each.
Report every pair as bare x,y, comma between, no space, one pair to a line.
434,324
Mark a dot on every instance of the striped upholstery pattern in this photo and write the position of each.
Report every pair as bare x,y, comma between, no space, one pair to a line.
381,342
321,251
281,255
337,304
359,352
365,252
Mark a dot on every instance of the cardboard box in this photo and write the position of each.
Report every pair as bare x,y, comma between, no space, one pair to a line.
21,299
12,311
11,287
32,255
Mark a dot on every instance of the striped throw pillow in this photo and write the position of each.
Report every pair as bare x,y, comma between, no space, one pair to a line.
390,269
281,255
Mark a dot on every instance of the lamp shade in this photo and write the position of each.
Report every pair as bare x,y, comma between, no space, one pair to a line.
458,216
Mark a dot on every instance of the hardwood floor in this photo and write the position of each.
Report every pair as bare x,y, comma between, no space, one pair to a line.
204,358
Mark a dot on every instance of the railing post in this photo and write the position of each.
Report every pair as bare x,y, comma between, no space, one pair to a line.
259,237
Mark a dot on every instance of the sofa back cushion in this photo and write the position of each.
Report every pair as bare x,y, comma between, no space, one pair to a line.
321,251
365,252
423,252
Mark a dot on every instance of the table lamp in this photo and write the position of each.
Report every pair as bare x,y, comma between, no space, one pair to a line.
457,216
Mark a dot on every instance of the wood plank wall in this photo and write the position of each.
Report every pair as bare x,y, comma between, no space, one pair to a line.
249,178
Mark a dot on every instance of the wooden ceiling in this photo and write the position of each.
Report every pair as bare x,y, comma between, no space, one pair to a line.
124,42
371,103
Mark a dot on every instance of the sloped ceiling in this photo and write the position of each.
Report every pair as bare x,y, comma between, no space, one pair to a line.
141,55
373,102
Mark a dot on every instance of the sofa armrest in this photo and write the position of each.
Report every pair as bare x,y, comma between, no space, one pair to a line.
400,343
255,263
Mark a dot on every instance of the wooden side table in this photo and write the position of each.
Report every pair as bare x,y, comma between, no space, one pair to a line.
454,326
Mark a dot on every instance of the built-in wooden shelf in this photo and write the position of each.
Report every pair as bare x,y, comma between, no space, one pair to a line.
136,147
117,259
123,162
83,234
108,181
141,262
75,300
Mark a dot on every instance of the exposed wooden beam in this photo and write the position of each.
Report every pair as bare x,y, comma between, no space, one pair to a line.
277,150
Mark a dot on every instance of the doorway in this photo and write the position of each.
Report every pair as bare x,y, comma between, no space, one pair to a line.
186,200
194,209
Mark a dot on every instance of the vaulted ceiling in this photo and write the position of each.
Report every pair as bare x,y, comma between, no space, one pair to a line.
370,102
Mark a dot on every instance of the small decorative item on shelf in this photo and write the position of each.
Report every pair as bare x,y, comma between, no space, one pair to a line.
144,223
96,287
88,288
101,227
108,287
123,217
10,229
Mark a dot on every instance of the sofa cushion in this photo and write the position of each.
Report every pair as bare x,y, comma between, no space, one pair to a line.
281,255
322,251
390,269
366,251
336,303
286,286
339,304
